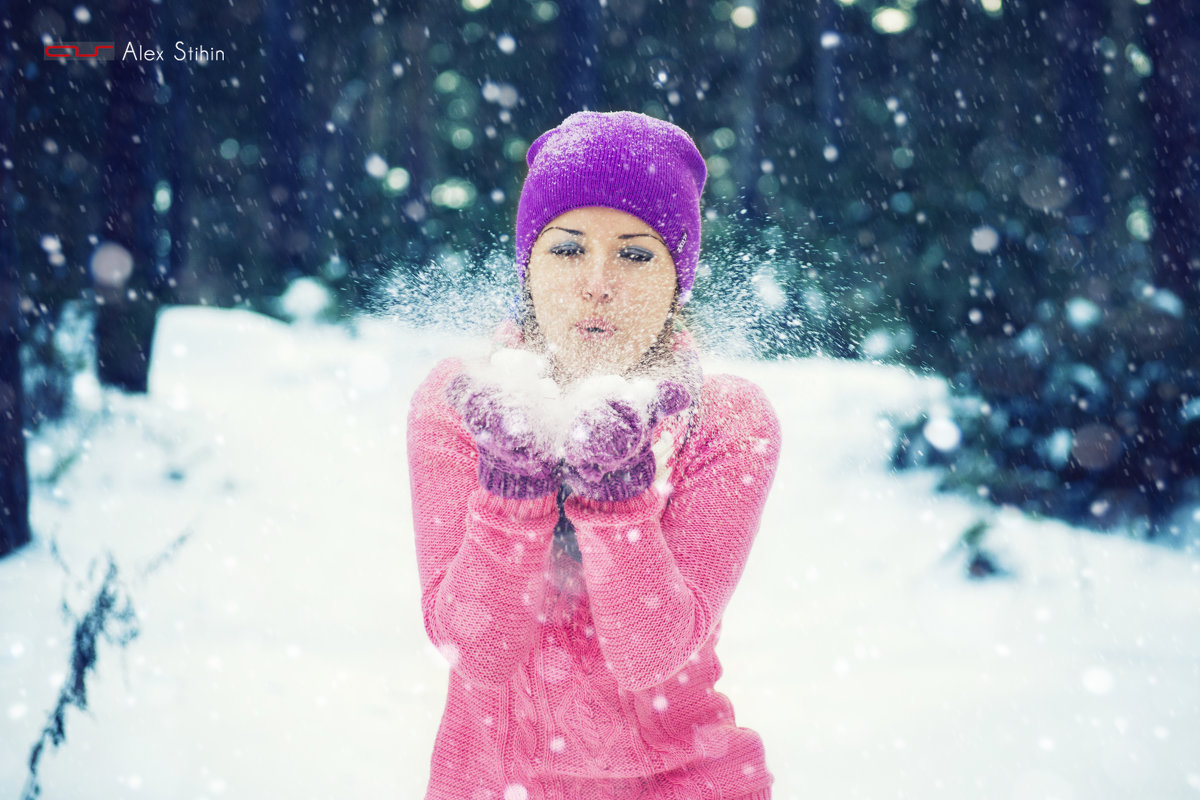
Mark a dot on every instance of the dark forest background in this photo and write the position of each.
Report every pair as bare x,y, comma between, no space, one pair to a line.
1002,192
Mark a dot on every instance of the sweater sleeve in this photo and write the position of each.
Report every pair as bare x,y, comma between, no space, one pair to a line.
660,574
481,558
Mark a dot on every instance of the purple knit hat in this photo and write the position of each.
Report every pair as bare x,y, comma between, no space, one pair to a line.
623,160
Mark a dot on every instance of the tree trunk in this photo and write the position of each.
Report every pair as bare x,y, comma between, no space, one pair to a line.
1173,103
748,154
289,231
424,164
124,266
180,165
1080,26
14,481
580,86
825,70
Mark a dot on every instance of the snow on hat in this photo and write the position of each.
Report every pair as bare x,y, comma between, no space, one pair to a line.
624,160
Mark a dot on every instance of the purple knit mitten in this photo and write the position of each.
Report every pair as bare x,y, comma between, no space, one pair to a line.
607,452
514,462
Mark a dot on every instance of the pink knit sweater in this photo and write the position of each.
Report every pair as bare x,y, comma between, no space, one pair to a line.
580,680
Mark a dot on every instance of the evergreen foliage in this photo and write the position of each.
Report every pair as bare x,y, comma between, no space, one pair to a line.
1001,192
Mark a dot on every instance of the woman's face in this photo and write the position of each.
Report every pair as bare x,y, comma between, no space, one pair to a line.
602,283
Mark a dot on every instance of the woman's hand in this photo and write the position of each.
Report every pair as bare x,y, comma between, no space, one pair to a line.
607,453
515,460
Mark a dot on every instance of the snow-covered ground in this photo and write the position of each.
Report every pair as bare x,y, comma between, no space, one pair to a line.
281,651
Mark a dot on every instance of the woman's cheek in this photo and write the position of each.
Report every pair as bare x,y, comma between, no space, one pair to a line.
640,341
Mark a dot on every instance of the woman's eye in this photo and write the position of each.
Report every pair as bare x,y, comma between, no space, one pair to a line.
566,249
636,254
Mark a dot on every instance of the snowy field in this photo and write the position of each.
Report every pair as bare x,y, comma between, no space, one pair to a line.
281,651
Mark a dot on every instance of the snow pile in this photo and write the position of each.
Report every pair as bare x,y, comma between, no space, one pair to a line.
256,507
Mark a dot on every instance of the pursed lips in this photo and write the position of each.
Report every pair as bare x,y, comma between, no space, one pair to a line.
595,327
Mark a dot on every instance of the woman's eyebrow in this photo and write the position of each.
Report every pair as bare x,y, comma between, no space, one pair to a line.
635,235
621,236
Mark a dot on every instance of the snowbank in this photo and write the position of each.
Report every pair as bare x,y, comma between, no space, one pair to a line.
256,505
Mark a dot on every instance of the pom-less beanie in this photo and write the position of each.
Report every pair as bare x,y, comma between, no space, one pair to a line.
624,160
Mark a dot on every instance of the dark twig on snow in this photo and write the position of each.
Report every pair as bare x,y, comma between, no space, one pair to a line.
111,616
111,602
166,555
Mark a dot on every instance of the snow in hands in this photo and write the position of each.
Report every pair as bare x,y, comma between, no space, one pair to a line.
524,378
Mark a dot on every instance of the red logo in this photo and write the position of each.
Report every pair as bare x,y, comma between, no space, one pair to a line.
98,51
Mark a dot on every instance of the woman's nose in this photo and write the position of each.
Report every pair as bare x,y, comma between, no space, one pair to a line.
598,278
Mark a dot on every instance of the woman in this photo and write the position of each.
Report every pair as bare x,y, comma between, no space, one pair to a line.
578,537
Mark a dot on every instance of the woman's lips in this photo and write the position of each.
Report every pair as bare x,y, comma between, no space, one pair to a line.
595,329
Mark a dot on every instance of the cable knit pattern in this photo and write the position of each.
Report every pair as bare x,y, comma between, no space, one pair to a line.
580,680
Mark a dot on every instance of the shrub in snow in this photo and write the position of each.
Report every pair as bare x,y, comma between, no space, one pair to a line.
306,300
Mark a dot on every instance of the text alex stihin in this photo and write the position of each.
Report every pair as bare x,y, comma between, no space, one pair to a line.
182,52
